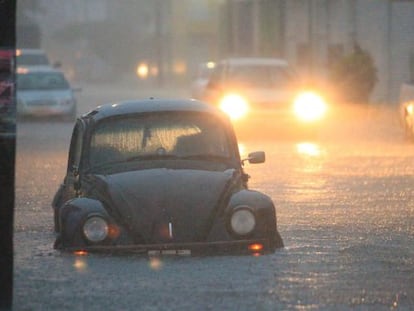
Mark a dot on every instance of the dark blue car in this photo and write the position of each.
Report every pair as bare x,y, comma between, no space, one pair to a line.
160,177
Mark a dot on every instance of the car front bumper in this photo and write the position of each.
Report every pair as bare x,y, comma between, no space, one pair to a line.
246,247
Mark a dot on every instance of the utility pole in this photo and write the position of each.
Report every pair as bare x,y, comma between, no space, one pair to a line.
256,27
352,23
310,38
159,41
234,18
282,28
7,156
388,49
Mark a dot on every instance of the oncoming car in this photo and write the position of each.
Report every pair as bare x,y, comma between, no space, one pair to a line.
44,91
264,88
160,177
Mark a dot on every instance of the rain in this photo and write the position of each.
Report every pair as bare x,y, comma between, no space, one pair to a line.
341,181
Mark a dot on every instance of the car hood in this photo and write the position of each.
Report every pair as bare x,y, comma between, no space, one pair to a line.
263,95
31,95
166,205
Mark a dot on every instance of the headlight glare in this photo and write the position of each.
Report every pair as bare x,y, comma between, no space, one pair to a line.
410,108
235,106
309,106
95,229
242,221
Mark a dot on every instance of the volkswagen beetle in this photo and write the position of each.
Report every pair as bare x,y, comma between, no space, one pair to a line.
160,177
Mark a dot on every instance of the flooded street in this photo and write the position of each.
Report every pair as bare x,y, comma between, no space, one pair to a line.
345,208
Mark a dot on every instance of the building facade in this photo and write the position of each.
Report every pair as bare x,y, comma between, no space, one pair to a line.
310,34
175,35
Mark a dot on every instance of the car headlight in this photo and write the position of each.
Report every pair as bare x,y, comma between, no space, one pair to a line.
242,221
235,106
95,229
309,106
410,108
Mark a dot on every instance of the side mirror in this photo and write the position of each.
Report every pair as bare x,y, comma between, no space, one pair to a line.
255,157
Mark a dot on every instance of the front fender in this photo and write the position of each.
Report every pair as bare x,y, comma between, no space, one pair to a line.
261,204
72,215
252,198
265,212
57,198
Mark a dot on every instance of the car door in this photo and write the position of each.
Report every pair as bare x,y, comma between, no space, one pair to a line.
67,189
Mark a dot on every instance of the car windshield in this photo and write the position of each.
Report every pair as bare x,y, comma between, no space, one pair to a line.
31,60
263,76
42,81
158,136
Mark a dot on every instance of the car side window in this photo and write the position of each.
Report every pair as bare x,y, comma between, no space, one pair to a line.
75,151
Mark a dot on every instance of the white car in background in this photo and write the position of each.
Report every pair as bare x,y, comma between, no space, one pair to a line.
262,89
44,91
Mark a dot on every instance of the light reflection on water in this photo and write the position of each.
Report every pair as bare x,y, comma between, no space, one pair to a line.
155,263
309,182
308,149
80,264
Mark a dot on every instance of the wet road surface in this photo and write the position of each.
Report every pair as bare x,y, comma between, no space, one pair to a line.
345,207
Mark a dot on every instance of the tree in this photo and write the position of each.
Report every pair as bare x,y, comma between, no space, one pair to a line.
354,76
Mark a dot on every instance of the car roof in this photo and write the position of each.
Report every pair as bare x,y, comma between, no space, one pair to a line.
152,105
239,61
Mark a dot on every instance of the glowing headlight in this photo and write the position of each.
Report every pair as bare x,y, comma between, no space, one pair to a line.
242,221
410,108
309,106
235,106
95,229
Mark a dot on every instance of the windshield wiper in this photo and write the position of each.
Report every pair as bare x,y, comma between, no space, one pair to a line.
204,157
151,157
130,159
207,157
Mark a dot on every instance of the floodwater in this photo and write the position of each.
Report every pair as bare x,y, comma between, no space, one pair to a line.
345,210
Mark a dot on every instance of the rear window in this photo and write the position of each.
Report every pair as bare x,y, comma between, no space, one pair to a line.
42,81
32,60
